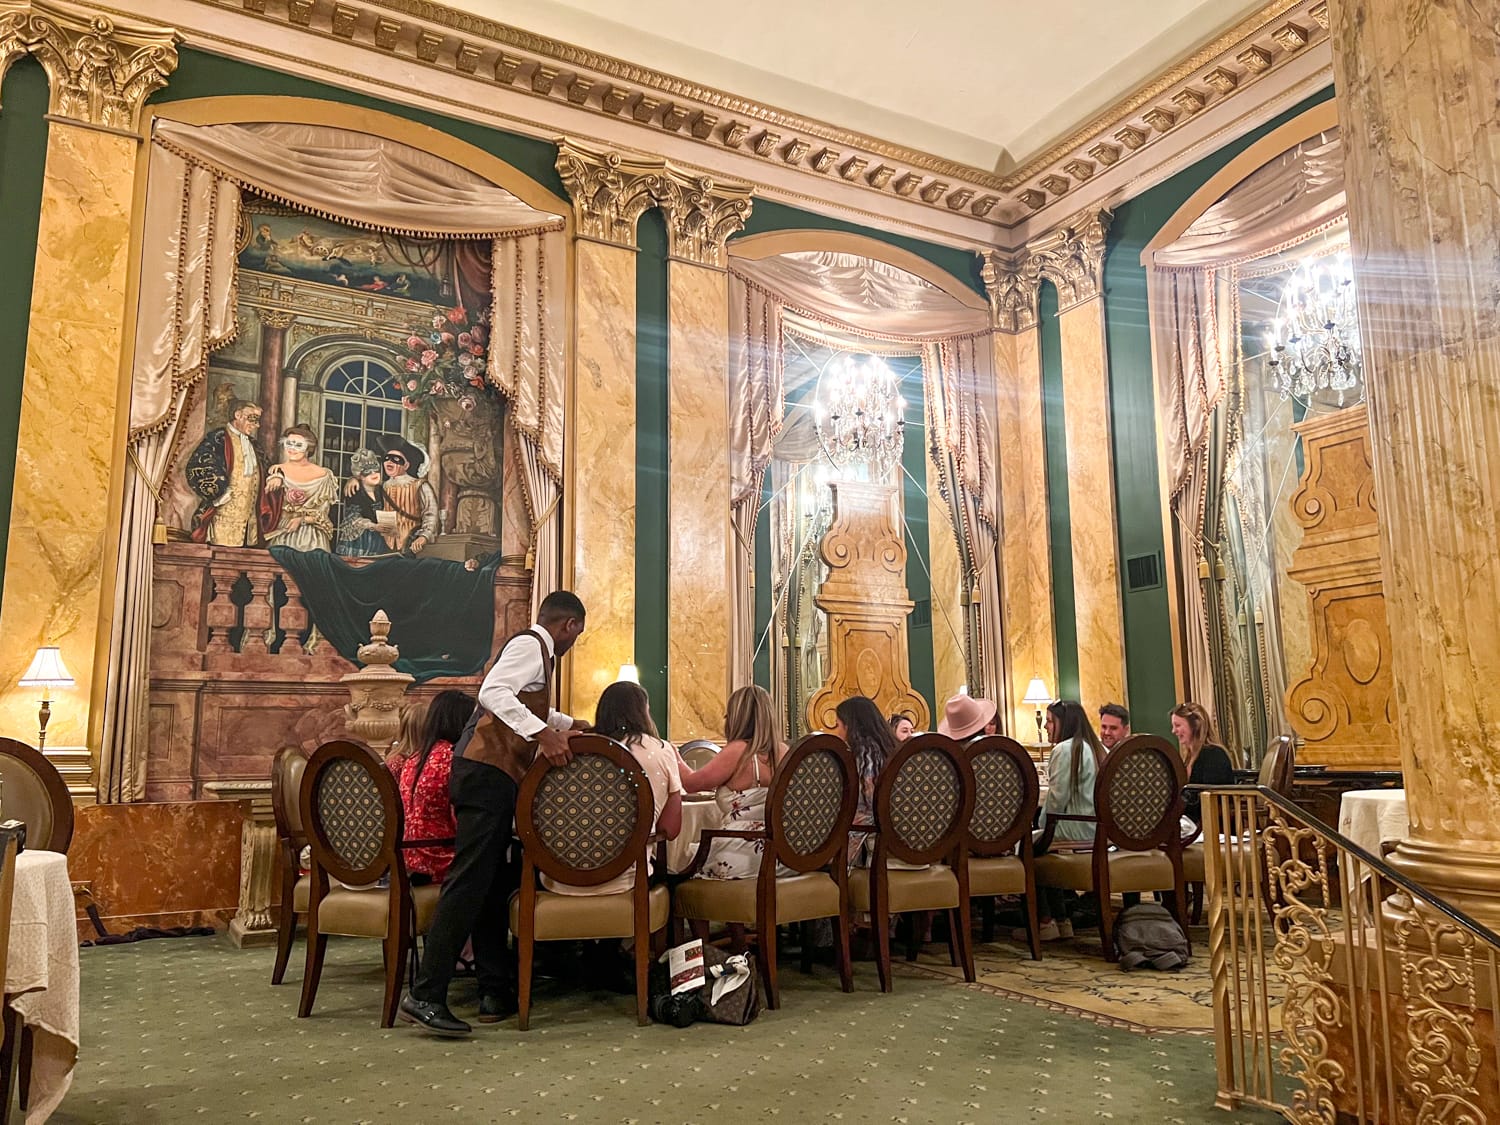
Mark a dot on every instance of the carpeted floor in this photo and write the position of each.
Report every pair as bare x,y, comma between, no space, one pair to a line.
191,1030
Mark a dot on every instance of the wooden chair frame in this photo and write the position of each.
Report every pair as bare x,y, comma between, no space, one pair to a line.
1017,836
1166,835
400,937
697,744
831,855
950,848
290,840
57,793
538,859
15,1053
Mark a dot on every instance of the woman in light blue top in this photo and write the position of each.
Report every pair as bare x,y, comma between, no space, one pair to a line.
1072,768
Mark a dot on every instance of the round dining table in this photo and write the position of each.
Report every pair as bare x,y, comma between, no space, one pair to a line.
41,975
699,811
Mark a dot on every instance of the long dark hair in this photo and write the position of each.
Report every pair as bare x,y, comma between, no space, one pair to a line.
1073,722
869,735
624,713
447,715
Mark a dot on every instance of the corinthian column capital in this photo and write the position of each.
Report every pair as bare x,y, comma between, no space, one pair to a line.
701,215
1072,257
13,19
100,70
1012,291
610,190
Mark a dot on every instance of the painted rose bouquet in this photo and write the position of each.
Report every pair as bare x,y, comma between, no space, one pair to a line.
446,360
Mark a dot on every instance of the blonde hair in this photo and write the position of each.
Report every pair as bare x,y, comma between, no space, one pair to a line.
409,736
1199,722
751,719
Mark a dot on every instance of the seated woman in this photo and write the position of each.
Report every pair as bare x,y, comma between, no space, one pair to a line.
741,776
903,726
422,767
1072,768
624,714
872,742
1207,762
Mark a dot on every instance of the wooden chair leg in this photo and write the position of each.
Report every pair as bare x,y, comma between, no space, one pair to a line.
395,947
317,945
1033,927
882,924
768,966
987,916
23,1072
1107,925
805,929
286,926
699,928
1196,891
960,920
9,1054
642,968
918,922
525,953
955,954
846,962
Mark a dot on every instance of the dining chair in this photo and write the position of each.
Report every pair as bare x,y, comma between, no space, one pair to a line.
698,753
36,794
923,801
351,811
287,770
1137,842
804,865
1001,861
584,824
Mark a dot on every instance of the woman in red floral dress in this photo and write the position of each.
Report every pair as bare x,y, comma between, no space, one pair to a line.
422,777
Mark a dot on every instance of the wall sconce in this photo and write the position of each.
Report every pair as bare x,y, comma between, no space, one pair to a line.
1038,696
629,673
47,671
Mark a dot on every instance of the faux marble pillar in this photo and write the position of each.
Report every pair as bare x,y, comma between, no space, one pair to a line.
1416,82
70,460
700,216
610,192
1072,258
949,594
1025,539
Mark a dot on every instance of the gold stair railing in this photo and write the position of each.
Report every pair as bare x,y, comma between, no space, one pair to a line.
1342,991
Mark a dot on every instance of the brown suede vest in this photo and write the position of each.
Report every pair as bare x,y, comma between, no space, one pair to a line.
486,739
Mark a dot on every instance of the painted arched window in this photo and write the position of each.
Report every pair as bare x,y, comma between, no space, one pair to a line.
361,410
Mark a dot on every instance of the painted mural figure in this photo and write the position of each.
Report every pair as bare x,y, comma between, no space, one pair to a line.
225,473
410,497
359,530
298,495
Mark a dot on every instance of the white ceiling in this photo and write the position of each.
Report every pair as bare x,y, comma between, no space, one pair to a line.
986,82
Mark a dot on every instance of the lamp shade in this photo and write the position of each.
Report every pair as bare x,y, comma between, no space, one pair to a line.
629,673
47,670
1037,693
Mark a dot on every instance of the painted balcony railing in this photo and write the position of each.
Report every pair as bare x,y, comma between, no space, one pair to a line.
1343,992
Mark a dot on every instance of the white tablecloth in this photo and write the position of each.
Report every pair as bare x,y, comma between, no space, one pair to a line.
698,813
41,975
1367,817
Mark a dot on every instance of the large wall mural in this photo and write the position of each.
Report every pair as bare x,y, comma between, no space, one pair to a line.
347,455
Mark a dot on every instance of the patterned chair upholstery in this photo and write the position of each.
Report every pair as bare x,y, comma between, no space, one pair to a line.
351,810
585,824
1006,791
698,753
924,799
804,871
287,770
1137,837
1277,773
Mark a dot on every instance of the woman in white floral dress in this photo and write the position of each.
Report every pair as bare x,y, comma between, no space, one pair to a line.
740,776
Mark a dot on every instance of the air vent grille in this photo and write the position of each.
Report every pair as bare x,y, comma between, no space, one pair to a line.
1143,572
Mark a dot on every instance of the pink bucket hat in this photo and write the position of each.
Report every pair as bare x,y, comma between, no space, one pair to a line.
965,715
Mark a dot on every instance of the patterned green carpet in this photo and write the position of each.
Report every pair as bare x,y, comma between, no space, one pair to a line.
191,1030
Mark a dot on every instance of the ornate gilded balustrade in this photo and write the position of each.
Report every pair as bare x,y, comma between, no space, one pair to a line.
1342,991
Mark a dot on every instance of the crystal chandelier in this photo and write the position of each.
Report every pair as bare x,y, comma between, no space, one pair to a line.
1313,344
858,414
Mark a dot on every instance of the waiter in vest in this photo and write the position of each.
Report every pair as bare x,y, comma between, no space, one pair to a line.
512,724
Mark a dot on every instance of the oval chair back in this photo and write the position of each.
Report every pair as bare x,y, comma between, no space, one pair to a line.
1006,791
811,804
923,800
699,752
1138,795
1278,767
36,794
287,771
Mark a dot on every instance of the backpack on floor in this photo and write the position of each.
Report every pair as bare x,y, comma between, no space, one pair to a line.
1148,937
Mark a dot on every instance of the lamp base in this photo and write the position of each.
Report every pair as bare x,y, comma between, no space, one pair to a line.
44,713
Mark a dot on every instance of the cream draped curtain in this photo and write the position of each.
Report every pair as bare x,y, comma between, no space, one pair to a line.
187,310
1193,287
854,302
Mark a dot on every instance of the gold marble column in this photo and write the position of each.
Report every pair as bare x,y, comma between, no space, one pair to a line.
1072,258
950,667
1424,218
610,192
70,459
700,215
1026,537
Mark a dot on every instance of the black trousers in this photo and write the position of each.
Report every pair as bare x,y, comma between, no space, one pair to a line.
476,894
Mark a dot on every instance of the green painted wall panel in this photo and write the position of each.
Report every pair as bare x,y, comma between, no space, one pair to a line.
651,407
918,542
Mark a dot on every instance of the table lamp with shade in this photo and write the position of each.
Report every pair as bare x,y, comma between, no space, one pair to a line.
47,671
629,674
1038,696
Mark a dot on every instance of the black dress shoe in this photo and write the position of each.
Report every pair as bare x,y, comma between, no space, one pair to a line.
493,1009
436,1018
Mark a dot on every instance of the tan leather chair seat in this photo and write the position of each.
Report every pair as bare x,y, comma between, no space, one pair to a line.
580,917
928,888
1128,871
366,913
996,875
798,898
301,893
1241,860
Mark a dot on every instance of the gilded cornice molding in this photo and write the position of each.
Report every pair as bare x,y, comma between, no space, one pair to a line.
610,190
100,70
1012,291
1071,257
486,51
701,214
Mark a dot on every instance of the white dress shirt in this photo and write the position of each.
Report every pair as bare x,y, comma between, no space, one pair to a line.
520,667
